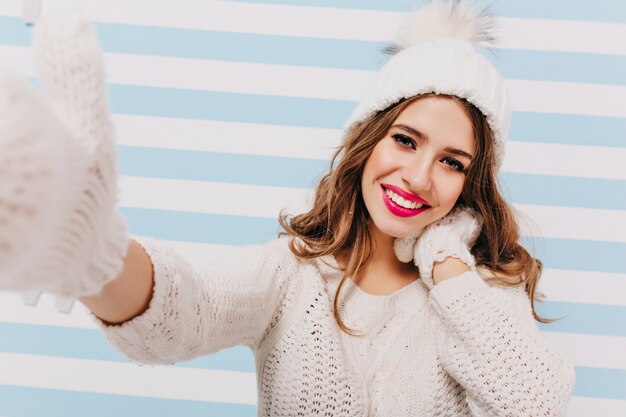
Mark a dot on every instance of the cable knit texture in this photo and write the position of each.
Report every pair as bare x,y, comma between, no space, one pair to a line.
84,236
463,348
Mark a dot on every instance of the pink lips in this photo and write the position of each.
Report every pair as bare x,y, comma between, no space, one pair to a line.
399,210
405,195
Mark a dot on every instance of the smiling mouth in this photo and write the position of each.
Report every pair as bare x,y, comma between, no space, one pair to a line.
403,202
398,208
404,198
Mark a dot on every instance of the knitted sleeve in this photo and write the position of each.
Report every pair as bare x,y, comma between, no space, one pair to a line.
196,311
489,343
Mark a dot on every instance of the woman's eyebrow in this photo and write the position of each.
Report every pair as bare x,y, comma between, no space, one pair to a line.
423,136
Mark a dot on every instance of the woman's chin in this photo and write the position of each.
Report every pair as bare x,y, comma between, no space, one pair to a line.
395,230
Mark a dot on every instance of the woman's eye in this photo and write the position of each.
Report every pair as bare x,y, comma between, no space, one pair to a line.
455,164
403,140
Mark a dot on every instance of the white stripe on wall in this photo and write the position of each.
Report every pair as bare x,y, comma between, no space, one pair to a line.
238,77
128,379
588,406
209,75
567,98
565,160
265,19
557,222
211,197
608,351
562,35
591,287
228,137
13,310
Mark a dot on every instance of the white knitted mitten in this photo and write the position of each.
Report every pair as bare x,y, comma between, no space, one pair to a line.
452,235
60,230
404,247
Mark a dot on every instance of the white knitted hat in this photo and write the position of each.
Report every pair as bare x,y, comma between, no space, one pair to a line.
434,53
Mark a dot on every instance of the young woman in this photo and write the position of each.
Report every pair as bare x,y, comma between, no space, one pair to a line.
403,291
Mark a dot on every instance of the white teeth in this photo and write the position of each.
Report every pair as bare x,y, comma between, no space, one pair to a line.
402,202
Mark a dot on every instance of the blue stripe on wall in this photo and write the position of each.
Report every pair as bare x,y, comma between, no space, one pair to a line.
215,45
332,114
581,255
233,107
602,10
200,227
597,319
303,173
568,129
549,190
13,31
18,402
233,46
91,344
221,167
329,53
560,66
242,230
600,383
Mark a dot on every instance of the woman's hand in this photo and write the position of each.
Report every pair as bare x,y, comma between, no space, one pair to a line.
450,267
442,250
60,230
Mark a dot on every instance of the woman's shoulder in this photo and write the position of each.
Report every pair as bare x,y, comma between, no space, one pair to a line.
326,265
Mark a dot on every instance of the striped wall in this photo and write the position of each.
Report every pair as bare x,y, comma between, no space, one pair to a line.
228,111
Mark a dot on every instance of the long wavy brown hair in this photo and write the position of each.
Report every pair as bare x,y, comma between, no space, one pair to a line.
338,222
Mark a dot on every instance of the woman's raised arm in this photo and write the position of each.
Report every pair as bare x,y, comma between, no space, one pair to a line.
128,295
196,310
62,232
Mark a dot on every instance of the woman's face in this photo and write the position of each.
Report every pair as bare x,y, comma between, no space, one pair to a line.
420,159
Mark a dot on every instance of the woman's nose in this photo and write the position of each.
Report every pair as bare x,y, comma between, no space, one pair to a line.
418,174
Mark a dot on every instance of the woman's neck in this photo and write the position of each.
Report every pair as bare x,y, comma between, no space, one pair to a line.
383,273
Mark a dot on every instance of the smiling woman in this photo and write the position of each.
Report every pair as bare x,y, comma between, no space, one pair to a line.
424,166
433,149
377,301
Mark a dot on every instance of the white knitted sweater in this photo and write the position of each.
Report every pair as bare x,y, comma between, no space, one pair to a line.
463,349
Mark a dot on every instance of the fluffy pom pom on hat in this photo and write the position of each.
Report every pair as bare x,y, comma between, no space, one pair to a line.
434,52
